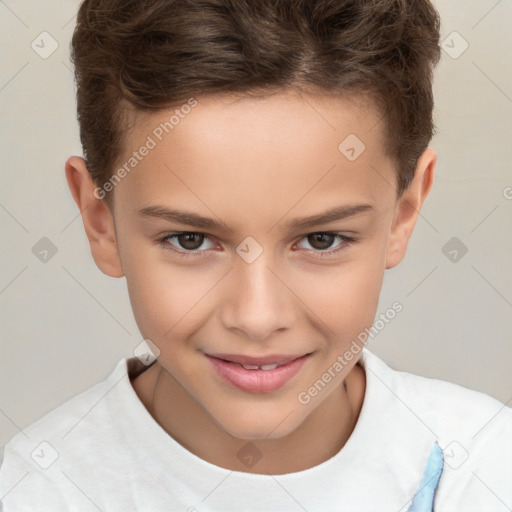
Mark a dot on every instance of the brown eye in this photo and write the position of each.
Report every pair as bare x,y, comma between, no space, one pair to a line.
190,241
321,244
321,241
187,243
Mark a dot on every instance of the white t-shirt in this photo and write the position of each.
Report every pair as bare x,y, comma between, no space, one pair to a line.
102,450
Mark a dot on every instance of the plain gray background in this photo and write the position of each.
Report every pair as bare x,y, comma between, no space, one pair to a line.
65,324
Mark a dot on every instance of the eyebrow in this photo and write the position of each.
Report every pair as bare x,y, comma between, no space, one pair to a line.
198,221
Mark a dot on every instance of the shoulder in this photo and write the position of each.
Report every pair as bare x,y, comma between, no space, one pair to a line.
39,461
451,411
62,419
473,429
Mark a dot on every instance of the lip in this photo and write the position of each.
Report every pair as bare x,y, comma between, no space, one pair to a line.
258,361
257,381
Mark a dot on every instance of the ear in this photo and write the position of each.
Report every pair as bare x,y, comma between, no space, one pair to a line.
97,218
409,205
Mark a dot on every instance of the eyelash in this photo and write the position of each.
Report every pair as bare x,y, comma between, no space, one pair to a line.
347,242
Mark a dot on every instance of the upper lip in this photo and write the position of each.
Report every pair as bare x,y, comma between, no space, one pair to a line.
258,361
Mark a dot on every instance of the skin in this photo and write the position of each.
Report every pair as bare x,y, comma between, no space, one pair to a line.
254,164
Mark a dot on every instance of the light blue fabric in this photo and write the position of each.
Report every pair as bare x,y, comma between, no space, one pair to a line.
424,498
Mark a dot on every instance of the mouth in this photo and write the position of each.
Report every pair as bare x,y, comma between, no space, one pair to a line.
257,378
253,363
264,367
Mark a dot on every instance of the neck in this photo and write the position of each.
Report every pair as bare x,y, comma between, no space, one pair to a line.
318,438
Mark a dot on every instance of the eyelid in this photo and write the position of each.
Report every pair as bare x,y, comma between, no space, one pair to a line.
162,240
347,241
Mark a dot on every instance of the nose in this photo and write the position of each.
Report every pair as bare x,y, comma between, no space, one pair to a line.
257,300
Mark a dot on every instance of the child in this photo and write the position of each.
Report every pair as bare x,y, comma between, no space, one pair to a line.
262,129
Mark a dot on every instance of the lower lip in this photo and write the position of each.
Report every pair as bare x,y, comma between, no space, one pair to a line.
257,381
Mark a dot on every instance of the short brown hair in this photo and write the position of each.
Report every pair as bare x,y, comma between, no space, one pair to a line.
153,54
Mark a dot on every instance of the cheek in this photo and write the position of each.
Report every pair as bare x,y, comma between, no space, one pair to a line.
166,298
342,300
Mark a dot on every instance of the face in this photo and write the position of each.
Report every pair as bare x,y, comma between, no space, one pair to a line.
253,280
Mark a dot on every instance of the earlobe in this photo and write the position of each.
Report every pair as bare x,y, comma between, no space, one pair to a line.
96,216
408,207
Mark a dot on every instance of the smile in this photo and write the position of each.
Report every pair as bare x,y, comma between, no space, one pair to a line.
256,378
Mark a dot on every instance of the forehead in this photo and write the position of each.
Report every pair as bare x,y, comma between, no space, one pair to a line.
215,120
278,148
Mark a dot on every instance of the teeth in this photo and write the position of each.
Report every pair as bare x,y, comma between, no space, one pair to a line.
264,367
269,366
